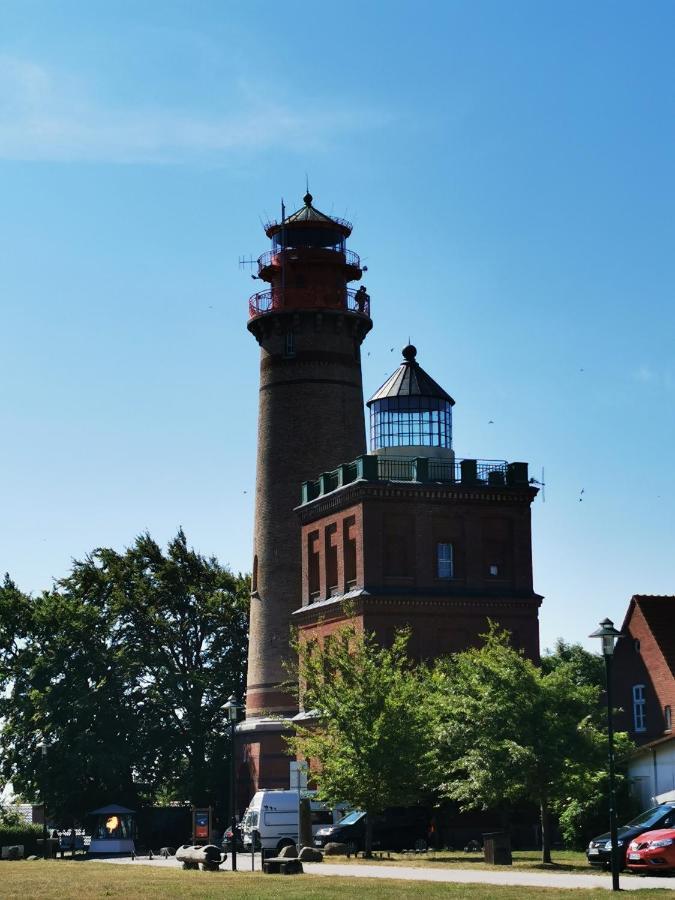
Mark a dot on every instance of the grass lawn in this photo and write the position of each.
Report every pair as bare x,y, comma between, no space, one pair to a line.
526,860
64,880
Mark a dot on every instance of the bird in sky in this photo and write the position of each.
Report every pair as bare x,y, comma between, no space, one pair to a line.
491,422
581,495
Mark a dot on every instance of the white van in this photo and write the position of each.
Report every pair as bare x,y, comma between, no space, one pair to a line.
275,815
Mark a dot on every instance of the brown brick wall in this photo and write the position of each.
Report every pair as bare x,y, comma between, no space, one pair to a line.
310,420
648,667
396,567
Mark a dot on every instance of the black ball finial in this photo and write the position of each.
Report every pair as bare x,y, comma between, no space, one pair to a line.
409,352
308,199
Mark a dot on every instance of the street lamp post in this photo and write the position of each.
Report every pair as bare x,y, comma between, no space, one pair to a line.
42,747
609,635
232,709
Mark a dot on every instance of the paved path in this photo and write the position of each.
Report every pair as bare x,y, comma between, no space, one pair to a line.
421,873
483,876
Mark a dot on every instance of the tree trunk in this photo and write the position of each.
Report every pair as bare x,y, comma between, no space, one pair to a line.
545,831
368,840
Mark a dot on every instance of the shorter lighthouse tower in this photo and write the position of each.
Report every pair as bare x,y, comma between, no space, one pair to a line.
410,536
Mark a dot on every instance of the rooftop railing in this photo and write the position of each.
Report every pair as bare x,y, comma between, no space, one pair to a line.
308,298
277,223
274,257
466,472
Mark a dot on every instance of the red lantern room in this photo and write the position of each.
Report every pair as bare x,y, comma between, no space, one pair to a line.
309,266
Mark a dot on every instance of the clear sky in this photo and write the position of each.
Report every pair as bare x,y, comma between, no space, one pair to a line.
509,171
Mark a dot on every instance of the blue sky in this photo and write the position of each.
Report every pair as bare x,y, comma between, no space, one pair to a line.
508,169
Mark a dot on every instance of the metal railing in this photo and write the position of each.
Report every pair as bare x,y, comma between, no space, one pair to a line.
274,223
308,298
391,468
469,472
274,257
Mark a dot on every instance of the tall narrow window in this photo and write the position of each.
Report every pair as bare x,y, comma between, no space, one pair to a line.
289,344
444,561
331,560
639,704
254,577
349,543
313,564
668,718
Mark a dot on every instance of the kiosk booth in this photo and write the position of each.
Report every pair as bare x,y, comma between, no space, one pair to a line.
113,833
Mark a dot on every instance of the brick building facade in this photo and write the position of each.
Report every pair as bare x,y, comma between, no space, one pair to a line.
644,683
397,548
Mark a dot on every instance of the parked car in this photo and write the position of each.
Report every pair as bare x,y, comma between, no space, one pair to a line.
598,851
227,840
396,829
653,851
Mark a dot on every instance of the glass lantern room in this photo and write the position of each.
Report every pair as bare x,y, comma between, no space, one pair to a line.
411,413
311,229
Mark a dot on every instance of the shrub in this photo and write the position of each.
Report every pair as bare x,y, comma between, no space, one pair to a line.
21,834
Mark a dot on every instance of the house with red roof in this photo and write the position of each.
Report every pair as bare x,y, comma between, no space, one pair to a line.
644,683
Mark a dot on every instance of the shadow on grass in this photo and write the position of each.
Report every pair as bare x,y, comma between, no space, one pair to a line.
522,861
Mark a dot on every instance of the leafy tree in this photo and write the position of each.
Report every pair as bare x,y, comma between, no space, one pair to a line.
508,731
123,668
69,683
10,816
584,667
367,742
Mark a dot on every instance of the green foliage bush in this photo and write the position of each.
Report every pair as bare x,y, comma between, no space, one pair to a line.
21,834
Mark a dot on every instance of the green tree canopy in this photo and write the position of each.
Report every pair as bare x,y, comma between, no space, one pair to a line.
584,667
368,739
123,669
509,731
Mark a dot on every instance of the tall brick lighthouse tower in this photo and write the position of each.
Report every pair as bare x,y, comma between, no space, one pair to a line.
310,327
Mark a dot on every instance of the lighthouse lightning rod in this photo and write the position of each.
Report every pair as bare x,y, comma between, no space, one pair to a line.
283,255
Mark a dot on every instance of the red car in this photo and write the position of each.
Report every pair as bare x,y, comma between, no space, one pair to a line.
653,851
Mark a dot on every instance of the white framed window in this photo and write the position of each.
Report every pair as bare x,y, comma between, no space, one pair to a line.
639,704
493,569
444,561
668,718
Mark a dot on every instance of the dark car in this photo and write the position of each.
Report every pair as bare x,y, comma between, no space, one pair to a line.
227,841
396,829
598,851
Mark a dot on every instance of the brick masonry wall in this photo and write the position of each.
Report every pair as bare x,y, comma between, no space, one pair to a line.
310,419
444,615
648,667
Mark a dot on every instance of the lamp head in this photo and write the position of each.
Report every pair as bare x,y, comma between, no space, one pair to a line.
608,635
231,708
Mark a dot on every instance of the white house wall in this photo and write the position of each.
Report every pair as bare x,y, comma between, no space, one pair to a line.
652,773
